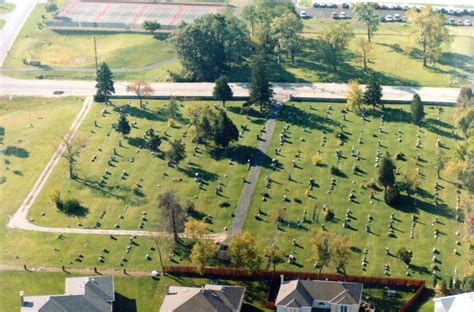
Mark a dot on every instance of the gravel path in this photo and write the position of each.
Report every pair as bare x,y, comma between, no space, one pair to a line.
256,165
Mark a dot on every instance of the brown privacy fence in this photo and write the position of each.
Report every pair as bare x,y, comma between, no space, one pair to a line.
274,279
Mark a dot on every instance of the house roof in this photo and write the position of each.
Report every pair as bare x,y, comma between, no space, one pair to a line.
94,294
302,293
458,303
207,299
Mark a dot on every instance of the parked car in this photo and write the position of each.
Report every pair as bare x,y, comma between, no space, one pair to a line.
382,19
459,11
452,22
405,7
345,5
303,14
459,23
388,18
332,5
342,15
396,17
450,10
467,23
334,15
316,5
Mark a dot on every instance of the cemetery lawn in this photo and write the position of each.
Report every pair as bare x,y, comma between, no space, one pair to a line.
397,117
132,293
75,49
117,199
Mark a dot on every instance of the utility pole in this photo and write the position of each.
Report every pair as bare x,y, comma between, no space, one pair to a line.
95,54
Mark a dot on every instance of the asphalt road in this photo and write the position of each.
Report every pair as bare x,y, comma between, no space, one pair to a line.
336,91
14,23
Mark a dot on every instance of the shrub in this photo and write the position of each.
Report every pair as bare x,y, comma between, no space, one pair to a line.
316,160
189,206
171,122
71,206
327,214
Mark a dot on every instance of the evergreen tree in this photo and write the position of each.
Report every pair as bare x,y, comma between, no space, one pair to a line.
153,142
261,92
373,92
123,126
222,90
417,111
176,153
172,108
224,130
105,84
386,175
404,255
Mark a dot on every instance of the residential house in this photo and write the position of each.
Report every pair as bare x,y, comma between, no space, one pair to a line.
458,303
210,298
82,294
318,296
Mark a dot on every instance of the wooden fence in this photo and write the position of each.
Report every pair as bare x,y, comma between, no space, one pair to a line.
274,279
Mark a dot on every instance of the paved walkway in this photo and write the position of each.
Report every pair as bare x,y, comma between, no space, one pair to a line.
256,165
85,271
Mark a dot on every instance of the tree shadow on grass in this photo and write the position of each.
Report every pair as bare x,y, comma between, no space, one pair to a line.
137,142
2,134
203,174
16,151
241,154
426,295
432,126
139,113
293,115
124,304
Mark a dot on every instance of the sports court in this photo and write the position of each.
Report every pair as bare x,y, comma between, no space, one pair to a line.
103,14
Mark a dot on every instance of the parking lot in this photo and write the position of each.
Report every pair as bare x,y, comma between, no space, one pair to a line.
395,14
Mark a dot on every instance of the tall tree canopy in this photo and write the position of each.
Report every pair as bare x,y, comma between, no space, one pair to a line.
373,92
286,29
335,40
386,173
141,88
104,84
211,46
355,96
417,111
123,126
243,252
222,90
365,12
176,153
224,130
322,249
430,32
172,212
261,92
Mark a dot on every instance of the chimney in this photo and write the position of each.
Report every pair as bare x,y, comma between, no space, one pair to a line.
22,298
282,279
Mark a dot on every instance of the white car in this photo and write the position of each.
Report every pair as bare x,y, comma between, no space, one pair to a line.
342,15
389,18
396,17
303,14
467,23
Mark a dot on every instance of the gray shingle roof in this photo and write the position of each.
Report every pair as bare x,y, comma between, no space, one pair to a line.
302,293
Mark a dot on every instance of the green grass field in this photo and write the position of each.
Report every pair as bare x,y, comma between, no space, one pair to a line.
397,118
75,49
139,294
6,8
117,198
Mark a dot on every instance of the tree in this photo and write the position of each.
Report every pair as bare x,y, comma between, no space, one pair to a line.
141,88
335,40
465,121
211,45
404,255
176,153
153,142
224,130
409,183
365,49
386,175
417,111
72,150
172,108
373,92
104,84
195,229
322,249
286,29
365,12
51,8
201,253
222,90
151,26
172,212
261,92
340,252
123,126
274,254
440,162
429,31
243,252
465,97
279,213
355,96
200,116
